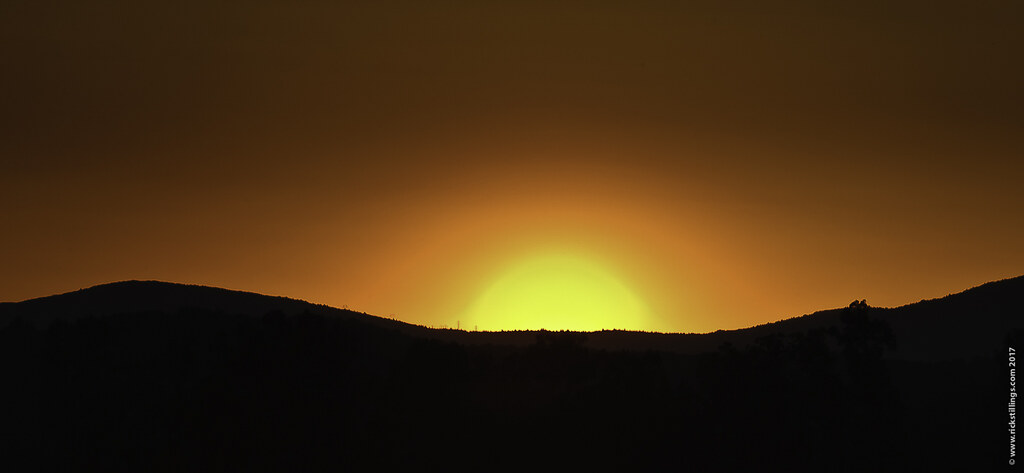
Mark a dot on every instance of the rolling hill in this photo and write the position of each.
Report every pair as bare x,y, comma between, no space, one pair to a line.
966,324
153,376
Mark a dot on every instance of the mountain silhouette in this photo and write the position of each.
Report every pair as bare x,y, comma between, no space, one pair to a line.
976,319
143,296
155,376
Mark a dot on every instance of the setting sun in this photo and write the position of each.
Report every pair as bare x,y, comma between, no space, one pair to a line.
557,292
471,236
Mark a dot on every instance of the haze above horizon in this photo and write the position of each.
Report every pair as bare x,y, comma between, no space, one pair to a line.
719,167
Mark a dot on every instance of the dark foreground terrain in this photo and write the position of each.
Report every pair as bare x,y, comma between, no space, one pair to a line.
147,376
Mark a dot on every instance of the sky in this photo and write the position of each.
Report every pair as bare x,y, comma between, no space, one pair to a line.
725,164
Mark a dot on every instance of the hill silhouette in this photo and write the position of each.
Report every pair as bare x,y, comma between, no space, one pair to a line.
959,325
154,376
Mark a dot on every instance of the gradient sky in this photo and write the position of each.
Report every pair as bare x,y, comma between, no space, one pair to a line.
732,163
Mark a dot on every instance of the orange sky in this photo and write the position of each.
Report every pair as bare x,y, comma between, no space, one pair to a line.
732,165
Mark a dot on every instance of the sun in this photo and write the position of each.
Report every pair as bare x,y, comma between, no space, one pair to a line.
557,292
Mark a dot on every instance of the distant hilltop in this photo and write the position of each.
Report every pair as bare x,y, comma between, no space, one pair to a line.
969,323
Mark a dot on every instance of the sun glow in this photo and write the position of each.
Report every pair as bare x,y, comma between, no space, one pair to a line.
557,292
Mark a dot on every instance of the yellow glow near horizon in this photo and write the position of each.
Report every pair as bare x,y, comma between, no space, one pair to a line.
557,292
